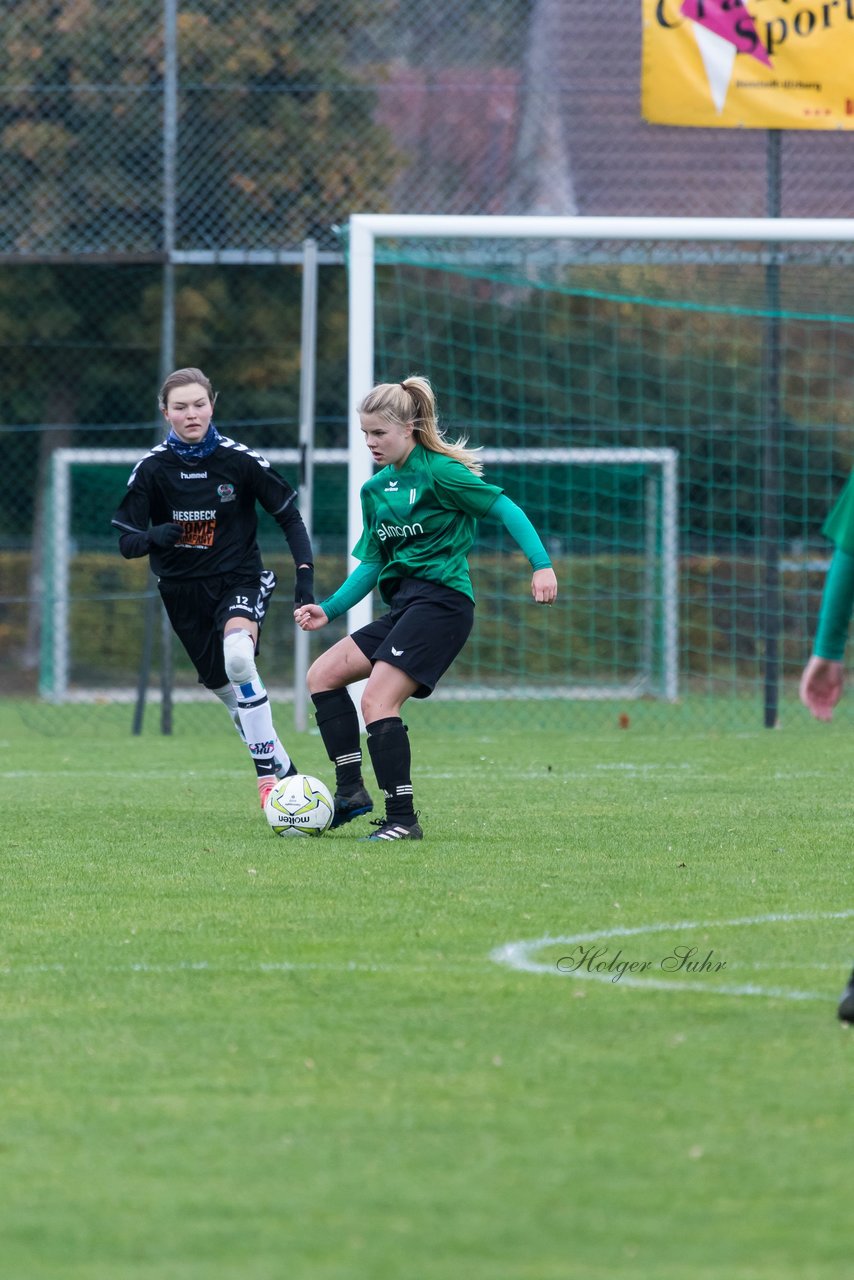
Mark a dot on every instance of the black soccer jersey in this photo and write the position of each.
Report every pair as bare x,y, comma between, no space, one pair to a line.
213,500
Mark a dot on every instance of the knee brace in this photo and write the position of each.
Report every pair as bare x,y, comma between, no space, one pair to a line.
239,652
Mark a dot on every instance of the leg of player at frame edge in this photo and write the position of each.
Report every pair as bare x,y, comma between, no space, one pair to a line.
386,691
249,706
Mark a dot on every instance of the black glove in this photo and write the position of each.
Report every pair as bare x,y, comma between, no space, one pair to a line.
164,535
304,590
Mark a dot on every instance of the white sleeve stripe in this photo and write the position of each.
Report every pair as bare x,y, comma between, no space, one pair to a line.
244,448
284,505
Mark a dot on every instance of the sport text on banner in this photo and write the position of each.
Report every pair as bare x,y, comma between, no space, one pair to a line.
764,64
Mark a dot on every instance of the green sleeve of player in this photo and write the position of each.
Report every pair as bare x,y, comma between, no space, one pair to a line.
362,580
837,601
520,528
839,525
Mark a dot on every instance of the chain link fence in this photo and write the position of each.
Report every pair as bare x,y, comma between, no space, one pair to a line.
163,163
267,123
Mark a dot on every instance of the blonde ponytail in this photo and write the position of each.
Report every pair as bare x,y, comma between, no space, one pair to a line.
412,400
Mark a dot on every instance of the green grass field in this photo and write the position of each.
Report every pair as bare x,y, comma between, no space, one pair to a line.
231,1057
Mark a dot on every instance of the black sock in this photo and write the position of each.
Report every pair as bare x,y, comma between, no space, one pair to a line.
338,723
388,743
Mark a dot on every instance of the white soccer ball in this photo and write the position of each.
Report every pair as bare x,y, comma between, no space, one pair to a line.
299,806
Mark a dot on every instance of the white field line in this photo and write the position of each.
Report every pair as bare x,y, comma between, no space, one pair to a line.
328,966
225,967
519,956
666,772
514,955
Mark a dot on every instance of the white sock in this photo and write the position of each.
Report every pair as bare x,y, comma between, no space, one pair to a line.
252,703
228,696
284,763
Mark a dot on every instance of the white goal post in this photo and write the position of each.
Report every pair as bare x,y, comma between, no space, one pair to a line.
54,684
660,548
364,231
367,233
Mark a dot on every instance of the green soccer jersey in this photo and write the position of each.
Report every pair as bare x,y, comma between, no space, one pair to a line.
420,521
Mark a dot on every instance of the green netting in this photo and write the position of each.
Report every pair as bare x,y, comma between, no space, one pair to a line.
92,642
606,540
740,357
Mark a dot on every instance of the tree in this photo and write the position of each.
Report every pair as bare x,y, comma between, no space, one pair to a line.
276,135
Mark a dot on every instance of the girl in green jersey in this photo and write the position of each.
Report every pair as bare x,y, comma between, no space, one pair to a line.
420,513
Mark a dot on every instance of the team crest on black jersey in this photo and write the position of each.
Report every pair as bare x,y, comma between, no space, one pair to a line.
226,492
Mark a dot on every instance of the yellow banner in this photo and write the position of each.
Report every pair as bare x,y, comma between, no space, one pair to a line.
749,64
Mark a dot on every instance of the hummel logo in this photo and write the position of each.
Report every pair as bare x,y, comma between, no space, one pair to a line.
398,653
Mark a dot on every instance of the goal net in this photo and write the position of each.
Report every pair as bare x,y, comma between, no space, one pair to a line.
97,606
670,401
100,612
726,345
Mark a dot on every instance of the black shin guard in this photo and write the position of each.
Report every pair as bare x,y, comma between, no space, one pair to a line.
338,723
388,744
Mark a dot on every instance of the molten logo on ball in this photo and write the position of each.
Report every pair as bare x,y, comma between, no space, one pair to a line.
299,806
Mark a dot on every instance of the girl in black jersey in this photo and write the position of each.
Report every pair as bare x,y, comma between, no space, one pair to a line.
191,507
420,513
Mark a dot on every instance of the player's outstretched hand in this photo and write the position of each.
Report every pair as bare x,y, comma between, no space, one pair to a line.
544,586
821,686
164,535
304,589
310,617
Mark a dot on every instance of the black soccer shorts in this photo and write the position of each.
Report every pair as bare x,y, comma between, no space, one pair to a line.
198,609
422,633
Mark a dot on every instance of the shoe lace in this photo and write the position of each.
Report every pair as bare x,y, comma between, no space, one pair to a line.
391,822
